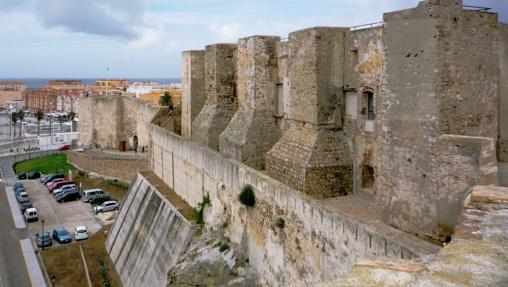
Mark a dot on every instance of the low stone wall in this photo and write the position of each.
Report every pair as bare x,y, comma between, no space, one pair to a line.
289,237
123,167
148,236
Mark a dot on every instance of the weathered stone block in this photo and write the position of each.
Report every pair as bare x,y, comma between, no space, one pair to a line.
193,88
316,62
221,100
315,161
253,130
312,156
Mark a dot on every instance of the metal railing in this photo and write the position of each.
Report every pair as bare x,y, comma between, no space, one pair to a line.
366,26
477,8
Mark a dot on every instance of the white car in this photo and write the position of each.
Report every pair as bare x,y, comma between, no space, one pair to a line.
80,233
31,214
106,206
22,197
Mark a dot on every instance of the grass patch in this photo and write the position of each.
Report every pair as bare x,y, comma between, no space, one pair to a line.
45,164
64,262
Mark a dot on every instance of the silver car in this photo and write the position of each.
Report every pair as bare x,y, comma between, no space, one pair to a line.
107,206
63,189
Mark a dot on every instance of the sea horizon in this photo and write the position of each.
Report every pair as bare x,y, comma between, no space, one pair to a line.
33,83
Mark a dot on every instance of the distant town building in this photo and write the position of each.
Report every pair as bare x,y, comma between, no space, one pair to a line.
56,96
11,91
65,83
110,86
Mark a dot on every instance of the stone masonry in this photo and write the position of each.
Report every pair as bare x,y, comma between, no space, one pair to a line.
221,100
313,155
503,93
253,130
193,88
439,78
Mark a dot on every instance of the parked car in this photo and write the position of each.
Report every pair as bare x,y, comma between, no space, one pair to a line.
24,206
63,189
53,182
100,199
43,239
68,196
22,175
44,177
55,185
106,206
89,193
65,147
51,177
61,235
18,185
22,197
80,233
31,214
33,175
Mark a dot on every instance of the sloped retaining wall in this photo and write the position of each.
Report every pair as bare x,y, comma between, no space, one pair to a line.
148,236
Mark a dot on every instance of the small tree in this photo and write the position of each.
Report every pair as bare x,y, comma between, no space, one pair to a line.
166,99
71,115
14,120
61,120
21,116
39,116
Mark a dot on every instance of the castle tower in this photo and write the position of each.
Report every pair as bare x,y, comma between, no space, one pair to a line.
313,155
220,89
253,130
193,88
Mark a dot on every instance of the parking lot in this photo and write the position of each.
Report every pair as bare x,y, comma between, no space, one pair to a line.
67,214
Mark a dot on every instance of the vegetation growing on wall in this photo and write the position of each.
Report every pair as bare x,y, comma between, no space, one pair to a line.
200,208
247,196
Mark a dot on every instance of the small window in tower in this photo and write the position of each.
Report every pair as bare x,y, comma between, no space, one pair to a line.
367,176
368,98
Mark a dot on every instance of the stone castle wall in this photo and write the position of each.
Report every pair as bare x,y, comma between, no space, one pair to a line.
106,120
422,99
503,93
317,243
123,167
221,99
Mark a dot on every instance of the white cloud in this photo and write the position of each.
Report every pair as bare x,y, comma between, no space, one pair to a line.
226,32
148,37
117,18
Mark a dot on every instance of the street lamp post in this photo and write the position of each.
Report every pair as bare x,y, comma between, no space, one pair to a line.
42,233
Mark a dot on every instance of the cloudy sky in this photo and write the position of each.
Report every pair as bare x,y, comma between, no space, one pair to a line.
144,38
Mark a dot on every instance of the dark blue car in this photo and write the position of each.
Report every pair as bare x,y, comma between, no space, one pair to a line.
43,239
61,235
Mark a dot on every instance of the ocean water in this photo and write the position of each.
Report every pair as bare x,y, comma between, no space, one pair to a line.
33,83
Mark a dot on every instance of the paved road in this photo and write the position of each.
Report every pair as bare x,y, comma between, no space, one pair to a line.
13,270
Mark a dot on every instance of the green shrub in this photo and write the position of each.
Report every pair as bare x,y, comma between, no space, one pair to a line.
200,208
247,196
223,247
